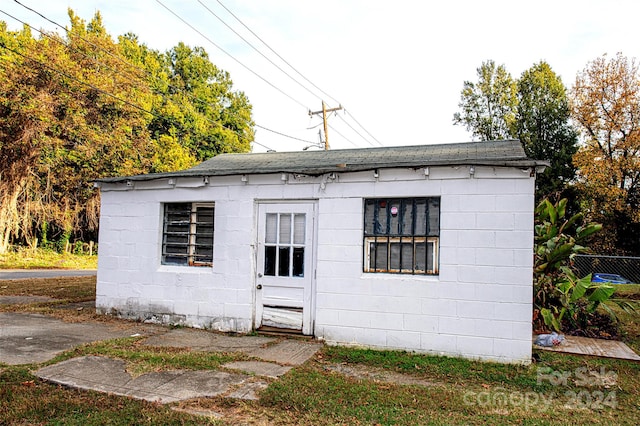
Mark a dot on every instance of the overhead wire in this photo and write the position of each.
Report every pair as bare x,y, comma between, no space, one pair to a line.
193,97
276,53
256,49
352,128
340,134
105,92
363,128
82,38
289,65
230,55
54,69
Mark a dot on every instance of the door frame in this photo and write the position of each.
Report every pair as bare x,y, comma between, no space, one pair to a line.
307,328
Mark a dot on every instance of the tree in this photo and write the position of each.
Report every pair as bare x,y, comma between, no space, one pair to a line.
197,106
542,125
81,107
488,107
533,109
605,102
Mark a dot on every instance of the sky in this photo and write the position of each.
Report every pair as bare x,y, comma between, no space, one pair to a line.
395,67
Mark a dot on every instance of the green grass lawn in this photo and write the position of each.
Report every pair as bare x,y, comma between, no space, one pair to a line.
557,389
26,258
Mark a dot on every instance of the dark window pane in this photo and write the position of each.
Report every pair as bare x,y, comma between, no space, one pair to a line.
394,256
270,260
382,256
283,261
369,217
421,256
406,256
298,262
394,211
175,260
381,218
420,217
434,217
406,218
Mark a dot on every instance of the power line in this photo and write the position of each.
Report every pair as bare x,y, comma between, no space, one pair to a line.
276,53
343,136
363,128
59,41
256,49
54,69
105,92
352,128
148,74
82,38
282,134
230,55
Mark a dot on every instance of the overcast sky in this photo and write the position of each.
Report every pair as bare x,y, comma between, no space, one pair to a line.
396,67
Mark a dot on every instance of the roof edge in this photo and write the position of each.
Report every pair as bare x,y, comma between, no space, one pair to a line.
334,169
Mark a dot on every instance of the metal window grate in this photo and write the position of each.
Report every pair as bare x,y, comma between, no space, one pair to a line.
401,235
188,234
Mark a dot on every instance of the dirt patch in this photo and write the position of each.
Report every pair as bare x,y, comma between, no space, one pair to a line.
376,374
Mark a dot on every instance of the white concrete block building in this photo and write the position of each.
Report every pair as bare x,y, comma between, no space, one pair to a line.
422,248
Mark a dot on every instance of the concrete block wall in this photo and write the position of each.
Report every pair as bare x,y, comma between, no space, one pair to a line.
479,306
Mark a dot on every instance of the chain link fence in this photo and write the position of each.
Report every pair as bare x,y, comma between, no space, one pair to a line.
628,267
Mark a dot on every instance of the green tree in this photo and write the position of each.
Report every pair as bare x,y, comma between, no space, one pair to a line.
197,106
488,107
80,107
605,102
543,127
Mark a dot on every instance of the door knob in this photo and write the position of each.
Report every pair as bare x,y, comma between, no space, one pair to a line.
259,274
259,286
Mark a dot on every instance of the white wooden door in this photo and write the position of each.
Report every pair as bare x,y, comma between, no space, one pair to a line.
285,266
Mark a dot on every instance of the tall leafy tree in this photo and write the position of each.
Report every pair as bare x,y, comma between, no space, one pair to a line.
197,106
80,107
542,125
488,107
605,102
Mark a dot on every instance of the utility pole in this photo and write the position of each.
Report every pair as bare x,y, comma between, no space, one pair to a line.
324,112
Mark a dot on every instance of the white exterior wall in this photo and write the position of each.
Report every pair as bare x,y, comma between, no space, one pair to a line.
479,306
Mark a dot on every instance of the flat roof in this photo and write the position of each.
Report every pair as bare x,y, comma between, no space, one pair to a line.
503,153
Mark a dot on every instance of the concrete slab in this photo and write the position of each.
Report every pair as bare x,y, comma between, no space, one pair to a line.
259,368
593,347
34,338
207,341
109,375
287,352
248,390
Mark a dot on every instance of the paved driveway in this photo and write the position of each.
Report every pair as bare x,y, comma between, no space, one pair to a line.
16,274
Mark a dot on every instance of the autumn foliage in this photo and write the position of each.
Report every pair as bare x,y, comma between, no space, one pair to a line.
80,106
605,102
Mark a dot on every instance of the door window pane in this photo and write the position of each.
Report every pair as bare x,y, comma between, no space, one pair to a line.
285,229
283,261
298,228
271,230
298,262
270,260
